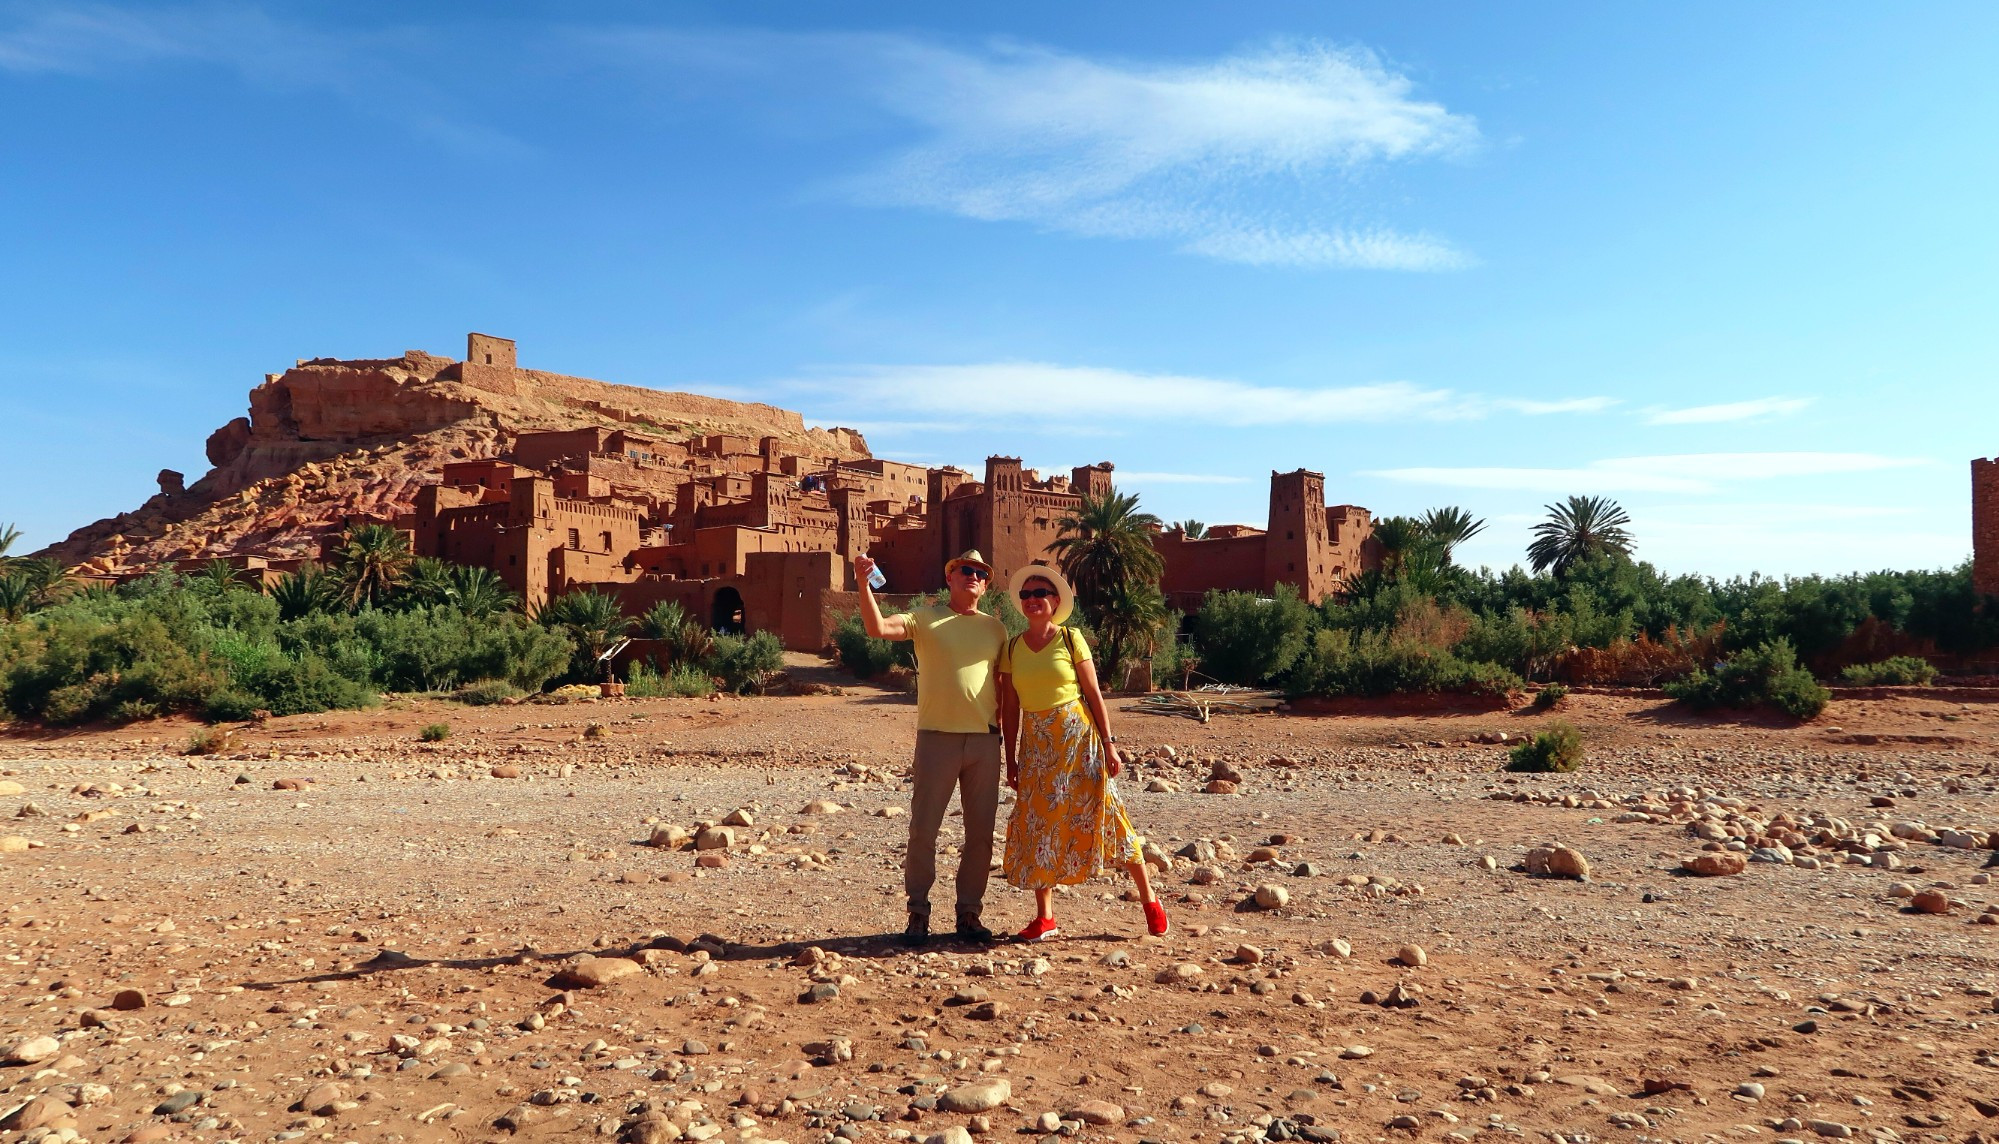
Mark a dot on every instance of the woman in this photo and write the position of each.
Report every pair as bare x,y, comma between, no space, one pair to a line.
1068,822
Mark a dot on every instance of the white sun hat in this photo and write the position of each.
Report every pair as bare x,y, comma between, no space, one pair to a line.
1065,596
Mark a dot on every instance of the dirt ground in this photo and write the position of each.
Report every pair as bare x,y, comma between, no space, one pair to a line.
339,932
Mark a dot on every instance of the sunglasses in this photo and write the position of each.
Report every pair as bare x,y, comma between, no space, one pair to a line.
974,573
1039,593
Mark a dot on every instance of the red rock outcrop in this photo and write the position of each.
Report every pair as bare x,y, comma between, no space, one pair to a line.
330,440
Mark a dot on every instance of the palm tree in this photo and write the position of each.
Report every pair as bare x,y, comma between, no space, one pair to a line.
1578,528
1193,529
9,535
304,592
372,562
15,597
45,579
480,593
1450,527
221,575
1397,536
593,621
1129,623
429,583
1105,549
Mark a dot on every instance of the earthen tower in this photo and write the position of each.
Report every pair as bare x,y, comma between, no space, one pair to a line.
1985,526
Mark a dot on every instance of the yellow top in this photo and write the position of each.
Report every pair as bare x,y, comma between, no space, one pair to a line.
955,688
1047,678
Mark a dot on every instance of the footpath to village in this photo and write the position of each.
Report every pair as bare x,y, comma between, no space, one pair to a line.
660,920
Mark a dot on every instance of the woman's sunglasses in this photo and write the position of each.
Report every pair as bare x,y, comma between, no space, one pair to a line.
1038,593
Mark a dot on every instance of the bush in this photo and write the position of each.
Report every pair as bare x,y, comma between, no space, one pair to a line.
744,663
682,681
1550,695
866,656
1342,662
435,732
229,705
212,741
487,692
1249,639
1765,676
1898,671
1557,750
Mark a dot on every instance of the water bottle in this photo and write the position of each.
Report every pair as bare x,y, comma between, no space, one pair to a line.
876,580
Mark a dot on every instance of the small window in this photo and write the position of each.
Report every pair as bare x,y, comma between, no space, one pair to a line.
1290,567
607,541
489,359
575,539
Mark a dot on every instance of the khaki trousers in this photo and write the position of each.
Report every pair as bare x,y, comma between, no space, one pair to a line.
946,760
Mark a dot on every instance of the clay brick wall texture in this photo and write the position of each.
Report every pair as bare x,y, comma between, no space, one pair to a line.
1985,526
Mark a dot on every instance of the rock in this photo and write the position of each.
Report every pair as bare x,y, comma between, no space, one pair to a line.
1097,1112
1179,974
1931,901
96,1018
1338,947
988,1011
1262,855
1205,875
955,1134
832,1051
321,1099
822,806
668,837
739,817
1715,864
588,972
37,1113
715,838
1568,862
820,993
13,844
1412,956
1749,1089
177,1103
10,787
457,1068
32,1051
978,1096
1356,1053
1219,786
650,1128
506,771
1830,1128
128,999
1248,955
1271,896
712,860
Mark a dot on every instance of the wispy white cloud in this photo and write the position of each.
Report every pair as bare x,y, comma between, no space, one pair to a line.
1144,478
1682,472
1758,409
1256,158
364,70
1026,391
1564,405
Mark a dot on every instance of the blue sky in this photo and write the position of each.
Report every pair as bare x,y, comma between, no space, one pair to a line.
1729,264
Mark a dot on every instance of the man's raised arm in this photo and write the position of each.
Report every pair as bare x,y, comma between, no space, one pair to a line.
879,626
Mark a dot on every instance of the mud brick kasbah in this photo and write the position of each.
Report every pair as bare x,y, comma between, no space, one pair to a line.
737,511
1985,526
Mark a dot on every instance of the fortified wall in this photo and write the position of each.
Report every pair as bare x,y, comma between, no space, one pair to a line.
1985,526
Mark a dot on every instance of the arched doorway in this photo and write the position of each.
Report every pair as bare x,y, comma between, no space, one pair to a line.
727,616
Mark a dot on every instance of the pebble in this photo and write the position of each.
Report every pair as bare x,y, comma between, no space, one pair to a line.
979,1096
1272,896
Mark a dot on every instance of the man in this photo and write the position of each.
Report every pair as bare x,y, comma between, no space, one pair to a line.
957,734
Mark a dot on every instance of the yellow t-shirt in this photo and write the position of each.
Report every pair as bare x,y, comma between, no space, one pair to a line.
1047,678
955,688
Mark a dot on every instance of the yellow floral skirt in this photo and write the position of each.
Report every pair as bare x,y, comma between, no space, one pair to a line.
1068,822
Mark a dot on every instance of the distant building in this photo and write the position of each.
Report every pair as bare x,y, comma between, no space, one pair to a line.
1985,526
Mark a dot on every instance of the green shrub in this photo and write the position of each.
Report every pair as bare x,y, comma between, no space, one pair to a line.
682,681
229,705
1898,671
487,692
435,732
1362,663
744,663
866,656
1767,675
133,710
212,741
1557,750
1550,695
1249,639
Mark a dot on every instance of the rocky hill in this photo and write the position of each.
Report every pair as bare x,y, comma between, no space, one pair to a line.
329,440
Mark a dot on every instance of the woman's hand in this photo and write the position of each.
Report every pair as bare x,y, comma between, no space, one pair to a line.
1013,773
1111,764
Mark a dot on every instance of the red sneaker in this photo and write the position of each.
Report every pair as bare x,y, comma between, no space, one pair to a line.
1040,930
1155,918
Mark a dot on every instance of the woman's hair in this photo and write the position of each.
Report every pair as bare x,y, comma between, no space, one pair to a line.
1031,581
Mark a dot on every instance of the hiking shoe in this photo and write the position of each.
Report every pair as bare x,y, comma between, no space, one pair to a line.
917,933
970,930
1041,929
1155,918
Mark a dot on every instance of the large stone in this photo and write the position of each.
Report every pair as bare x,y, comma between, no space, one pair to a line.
1931,901
128,999
595,972
715,838
10,787
13,844
1097,1112
321,1099
955,1134
31,1051
1412,956
1568,862
1272,896
1715,864
978,1096
40,1112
